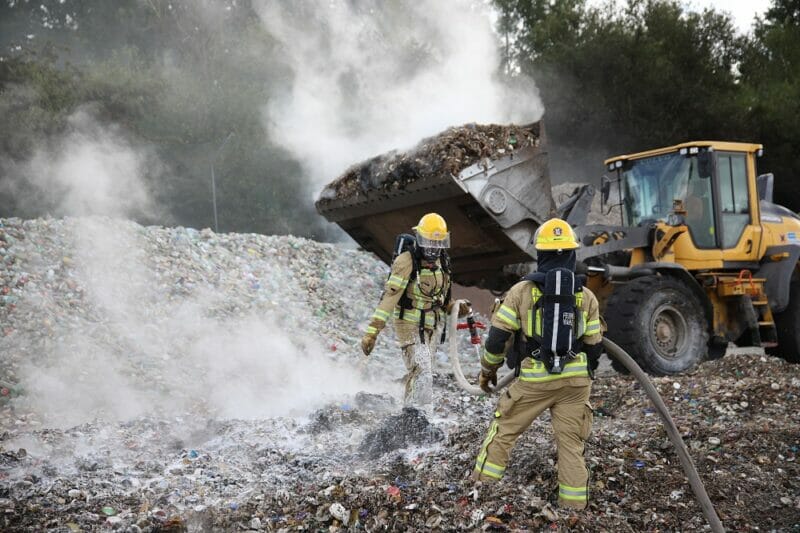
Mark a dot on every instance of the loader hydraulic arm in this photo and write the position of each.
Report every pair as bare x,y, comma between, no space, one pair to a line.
575,209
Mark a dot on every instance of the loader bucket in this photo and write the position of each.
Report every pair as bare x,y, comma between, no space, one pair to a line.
492,207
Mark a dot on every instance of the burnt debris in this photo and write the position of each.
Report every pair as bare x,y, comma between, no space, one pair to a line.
447,153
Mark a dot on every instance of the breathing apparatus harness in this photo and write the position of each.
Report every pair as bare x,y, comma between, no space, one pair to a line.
556,309
406,242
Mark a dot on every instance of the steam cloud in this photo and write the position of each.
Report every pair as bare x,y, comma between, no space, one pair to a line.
145,352
137,350
370,77
94,169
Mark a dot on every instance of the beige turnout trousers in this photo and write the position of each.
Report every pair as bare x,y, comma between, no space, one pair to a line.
418,380
519,406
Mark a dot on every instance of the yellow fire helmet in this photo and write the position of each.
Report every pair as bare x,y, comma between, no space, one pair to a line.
432,232
555,234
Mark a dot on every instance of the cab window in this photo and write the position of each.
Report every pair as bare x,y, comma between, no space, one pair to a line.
734,198
700,212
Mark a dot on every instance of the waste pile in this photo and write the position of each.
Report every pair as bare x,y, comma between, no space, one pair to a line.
445,154
179,380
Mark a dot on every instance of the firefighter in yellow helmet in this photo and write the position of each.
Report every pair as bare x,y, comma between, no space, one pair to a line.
562,385
417,297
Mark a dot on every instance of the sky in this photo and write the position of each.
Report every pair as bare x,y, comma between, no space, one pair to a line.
743,11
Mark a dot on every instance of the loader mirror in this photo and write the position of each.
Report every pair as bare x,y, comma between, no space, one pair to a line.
765,184
605,188
705,164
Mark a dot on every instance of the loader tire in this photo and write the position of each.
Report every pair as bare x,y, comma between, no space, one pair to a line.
787,323
660,322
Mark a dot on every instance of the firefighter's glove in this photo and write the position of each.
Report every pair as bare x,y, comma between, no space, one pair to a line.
593,353
368,342
487,376
371,335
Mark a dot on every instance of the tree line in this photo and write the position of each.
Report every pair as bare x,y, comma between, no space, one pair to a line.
655,74
191,84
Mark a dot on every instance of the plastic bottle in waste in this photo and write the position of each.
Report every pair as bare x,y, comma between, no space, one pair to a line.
9,390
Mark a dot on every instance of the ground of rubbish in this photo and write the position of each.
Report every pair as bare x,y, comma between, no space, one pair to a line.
121,410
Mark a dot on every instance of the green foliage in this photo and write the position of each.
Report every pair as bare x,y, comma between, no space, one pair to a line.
770,73
541,29
33,98
652,74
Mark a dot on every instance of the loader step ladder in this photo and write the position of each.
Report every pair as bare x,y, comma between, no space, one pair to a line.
754,288
762,324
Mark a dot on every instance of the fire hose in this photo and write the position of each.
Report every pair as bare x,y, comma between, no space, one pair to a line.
626,360
456,364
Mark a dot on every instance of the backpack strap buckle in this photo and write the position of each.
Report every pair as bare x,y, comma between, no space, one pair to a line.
560,361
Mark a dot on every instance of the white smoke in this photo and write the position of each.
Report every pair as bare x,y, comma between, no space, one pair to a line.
370,77
365,78
133,347
129,347
214,369
93,169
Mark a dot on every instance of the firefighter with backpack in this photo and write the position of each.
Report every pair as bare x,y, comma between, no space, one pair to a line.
548,329
417,296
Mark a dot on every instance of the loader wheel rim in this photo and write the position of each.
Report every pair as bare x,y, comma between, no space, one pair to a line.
669,331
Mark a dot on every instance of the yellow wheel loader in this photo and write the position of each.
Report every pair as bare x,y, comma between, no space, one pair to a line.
692,255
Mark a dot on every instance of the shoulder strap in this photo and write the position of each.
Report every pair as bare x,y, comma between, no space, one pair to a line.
536,306
445,260
405,301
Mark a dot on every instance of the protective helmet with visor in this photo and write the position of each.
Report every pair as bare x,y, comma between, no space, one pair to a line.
432,235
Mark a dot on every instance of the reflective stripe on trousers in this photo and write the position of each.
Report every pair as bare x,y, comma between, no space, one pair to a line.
482,466
577,494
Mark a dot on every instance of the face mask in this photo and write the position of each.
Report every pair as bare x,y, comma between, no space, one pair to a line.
431,254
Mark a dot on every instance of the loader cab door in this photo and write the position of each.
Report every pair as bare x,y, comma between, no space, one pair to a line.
699,203
737,205
650,185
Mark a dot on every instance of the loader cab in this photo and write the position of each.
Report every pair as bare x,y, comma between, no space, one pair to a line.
708,186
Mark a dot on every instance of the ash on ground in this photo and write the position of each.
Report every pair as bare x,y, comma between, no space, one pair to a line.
409,428
170,380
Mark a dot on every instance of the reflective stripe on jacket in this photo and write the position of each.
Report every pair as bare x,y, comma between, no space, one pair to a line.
533,370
